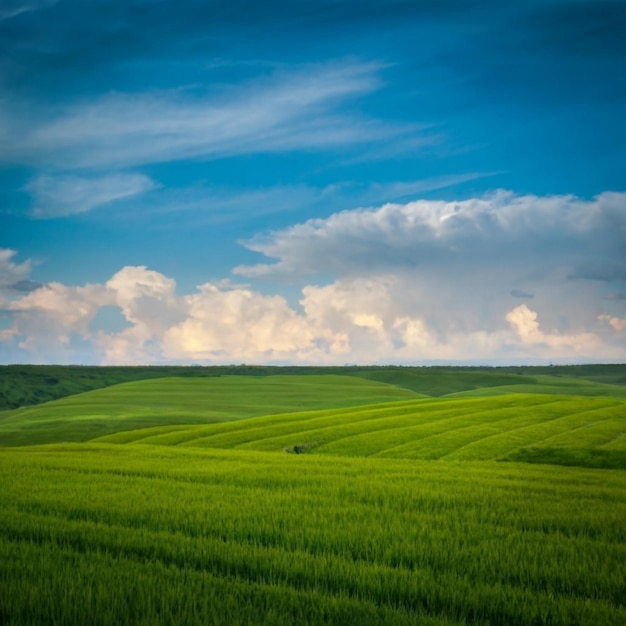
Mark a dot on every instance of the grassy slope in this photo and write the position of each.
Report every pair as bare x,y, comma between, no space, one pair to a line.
541,424
167,401
144,534
185,532
536,428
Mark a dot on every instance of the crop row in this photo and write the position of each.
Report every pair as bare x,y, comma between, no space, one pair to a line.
490,428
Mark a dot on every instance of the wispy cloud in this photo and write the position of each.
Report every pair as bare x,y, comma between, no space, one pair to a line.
290,111
208,204
13,8
58,196
381,192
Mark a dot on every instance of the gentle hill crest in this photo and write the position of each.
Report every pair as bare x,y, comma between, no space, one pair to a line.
175,401
24,385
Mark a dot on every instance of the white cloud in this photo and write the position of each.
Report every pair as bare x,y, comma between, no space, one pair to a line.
555,345
524,320
57,196
148,301
414,283
360,313
356,320
527,234
458,265
47,320
239,325
289,111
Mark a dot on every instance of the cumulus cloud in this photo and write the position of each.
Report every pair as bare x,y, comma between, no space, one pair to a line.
360,312
46,320
524,320
406,283
526,324
361,320
239,324
58,196
289,111
584,238
148,301
455,262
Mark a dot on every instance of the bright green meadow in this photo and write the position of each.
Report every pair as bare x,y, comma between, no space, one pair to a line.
243,495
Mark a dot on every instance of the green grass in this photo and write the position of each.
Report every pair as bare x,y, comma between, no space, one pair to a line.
400,496
184,401
155,535
500,427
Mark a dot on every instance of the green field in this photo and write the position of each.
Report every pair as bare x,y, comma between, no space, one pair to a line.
358,496
179,401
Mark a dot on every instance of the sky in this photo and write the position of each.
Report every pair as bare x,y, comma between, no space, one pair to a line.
406,182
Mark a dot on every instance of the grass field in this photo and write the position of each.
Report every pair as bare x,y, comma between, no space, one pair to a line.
182,501
183,401
500,427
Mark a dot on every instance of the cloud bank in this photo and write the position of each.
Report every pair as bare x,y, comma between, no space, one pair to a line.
357,321
497,279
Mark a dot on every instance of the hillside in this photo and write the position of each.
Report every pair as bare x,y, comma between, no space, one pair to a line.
539,428
176,401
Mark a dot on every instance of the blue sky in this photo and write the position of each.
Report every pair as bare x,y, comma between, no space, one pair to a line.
312,182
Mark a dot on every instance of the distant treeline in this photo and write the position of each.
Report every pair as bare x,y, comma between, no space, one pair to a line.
22,385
